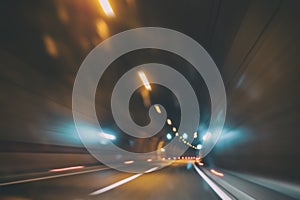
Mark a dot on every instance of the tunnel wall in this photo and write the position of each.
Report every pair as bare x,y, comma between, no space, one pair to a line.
261,71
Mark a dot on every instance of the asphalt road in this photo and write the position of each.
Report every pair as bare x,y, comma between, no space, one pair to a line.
178,181
174,182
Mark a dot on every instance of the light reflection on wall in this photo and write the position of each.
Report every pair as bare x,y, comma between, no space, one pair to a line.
232,137
66,133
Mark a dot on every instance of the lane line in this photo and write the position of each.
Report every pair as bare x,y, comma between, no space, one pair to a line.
119,183
114,185
51,177
217,190
233,190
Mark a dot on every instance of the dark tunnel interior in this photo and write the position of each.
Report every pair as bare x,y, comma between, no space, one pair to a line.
255,45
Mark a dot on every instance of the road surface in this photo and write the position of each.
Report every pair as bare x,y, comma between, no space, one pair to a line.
180,180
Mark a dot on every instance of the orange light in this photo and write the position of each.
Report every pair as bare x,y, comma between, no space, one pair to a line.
216,173
66,169
51,46
102,29
128,162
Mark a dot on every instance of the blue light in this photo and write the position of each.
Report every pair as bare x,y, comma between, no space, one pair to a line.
189,165
232,137
185,136
169,136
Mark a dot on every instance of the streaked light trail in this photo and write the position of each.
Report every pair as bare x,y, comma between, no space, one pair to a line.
107,136
216,173
66,169
105,5
216,188
145,80
157,108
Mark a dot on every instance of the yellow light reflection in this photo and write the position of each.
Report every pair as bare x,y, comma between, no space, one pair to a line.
105,5
169,122
174,129
146,98
50,45
157,108
145,80
102,29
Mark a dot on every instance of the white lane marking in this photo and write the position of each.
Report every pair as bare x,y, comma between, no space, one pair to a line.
151,170
112,186
217,190
50,177
236,192
117,184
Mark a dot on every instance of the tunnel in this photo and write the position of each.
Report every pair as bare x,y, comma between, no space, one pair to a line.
136,99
